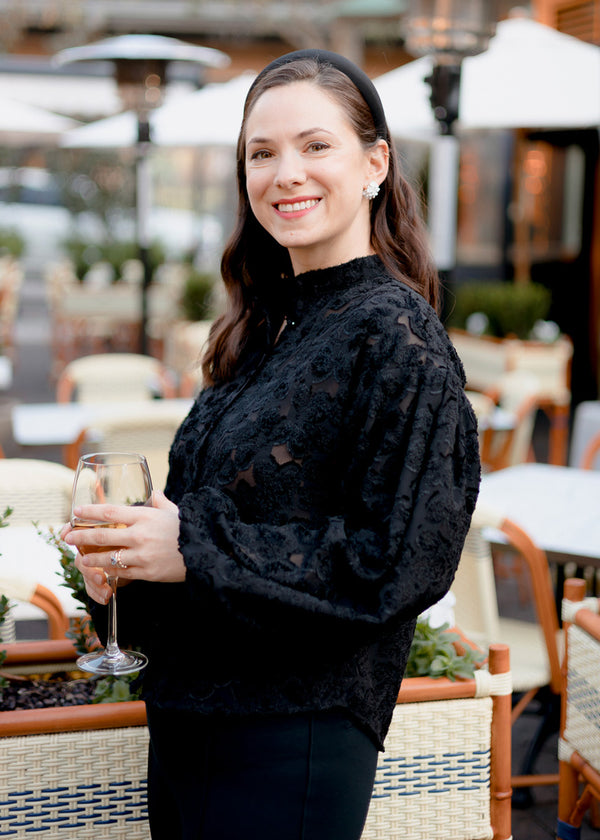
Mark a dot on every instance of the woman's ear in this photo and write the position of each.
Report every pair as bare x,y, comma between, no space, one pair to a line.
379,161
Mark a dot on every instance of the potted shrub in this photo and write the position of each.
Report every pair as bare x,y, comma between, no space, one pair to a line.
507,310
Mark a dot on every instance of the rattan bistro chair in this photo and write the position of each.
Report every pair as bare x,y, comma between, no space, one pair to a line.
445,772
37,491
591,455
517,393
535,646
21,588
579,743
151,433
122,377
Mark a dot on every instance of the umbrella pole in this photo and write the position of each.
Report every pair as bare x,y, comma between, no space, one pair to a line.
143,204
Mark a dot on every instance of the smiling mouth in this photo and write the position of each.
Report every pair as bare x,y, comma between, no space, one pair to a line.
297,205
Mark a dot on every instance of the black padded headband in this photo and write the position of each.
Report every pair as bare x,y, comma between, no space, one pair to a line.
349,69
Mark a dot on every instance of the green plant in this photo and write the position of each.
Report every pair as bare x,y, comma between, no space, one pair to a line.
4,602
434,653
110,689
196,298
11,243
511,308
84,254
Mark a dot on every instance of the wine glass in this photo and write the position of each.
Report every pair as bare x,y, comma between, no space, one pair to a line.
118,478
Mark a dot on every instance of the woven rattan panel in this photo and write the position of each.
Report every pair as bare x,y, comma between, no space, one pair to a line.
582,730
75,785
433,781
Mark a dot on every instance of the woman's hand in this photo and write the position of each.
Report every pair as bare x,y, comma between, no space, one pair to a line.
148,544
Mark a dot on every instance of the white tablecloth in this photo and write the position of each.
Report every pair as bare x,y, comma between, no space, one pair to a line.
559,507
48,424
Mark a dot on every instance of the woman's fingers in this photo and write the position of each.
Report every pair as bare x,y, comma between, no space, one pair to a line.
96,585
134,543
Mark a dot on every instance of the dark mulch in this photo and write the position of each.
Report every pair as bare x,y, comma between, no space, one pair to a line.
58,690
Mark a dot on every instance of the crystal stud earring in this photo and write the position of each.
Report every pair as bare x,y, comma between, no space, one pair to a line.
371,190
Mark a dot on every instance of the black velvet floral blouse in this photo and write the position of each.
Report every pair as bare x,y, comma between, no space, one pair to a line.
324,499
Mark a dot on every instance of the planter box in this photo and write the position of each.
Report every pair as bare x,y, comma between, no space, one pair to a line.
80,771
73,771
446,770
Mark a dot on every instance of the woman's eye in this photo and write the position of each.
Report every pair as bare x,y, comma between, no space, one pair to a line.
260,154
318,146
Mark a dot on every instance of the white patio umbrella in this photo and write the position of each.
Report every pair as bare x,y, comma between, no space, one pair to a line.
210,116
23,124
531,76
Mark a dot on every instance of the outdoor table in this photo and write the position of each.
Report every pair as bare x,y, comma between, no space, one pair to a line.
559,507
48,424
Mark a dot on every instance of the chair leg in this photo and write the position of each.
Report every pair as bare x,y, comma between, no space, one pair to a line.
548,726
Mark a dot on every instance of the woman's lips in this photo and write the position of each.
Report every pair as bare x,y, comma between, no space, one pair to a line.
296,207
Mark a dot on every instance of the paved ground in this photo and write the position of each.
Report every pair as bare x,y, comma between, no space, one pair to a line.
32,383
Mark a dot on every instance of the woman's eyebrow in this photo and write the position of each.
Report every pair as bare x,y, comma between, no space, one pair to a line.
301,135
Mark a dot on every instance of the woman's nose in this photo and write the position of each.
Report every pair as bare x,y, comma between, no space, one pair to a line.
289,171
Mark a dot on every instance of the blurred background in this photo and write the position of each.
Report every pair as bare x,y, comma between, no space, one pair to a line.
527,196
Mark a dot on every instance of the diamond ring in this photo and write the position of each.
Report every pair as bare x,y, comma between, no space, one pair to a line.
115,560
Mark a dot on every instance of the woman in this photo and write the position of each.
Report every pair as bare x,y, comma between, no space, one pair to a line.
319,491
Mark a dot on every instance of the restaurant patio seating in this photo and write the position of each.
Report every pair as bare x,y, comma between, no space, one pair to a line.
589,459
586,426
445,772
96,317
535,645
184,346
151,435
486,359
517,393
579,743
114,376
21,587
36,490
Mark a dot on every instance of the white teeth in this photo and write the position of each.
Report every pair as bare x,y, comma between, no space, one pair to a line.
298,205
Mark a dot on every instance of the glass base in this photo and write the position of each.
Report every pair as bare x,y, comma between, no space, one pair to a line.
122,662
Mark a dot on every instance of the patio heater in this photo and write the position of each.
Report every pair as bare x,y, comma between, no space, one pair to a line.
448,31
140,65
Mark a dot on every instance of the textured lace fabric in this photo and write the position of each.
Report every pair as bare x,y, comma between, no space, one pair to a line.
324,499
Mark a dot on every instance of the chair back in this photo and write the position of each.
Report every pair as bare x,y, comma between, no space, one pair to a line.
442,733
590,460
516,393
22,587
114,376
474,587
535,657
579,742
150,435
36,490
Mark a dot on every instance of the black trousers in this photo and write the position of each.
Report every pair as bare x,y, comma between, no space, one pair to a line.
298,777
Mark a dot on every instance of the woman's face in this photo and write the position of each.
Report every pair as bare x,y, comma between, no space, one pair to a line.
305,173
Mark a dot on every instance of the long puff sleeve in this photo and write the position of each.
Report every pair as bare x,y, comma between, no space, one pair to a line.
390,542
324,498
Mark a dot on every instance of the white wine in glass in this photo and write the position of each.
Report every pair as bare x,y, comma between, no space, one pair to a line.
116,478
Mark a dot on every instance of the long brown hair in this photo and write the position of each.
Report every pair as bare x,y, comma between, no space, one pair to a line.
254,264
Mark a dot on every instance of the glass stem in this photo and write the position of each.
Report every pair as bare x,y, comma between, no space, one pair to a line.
112,648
